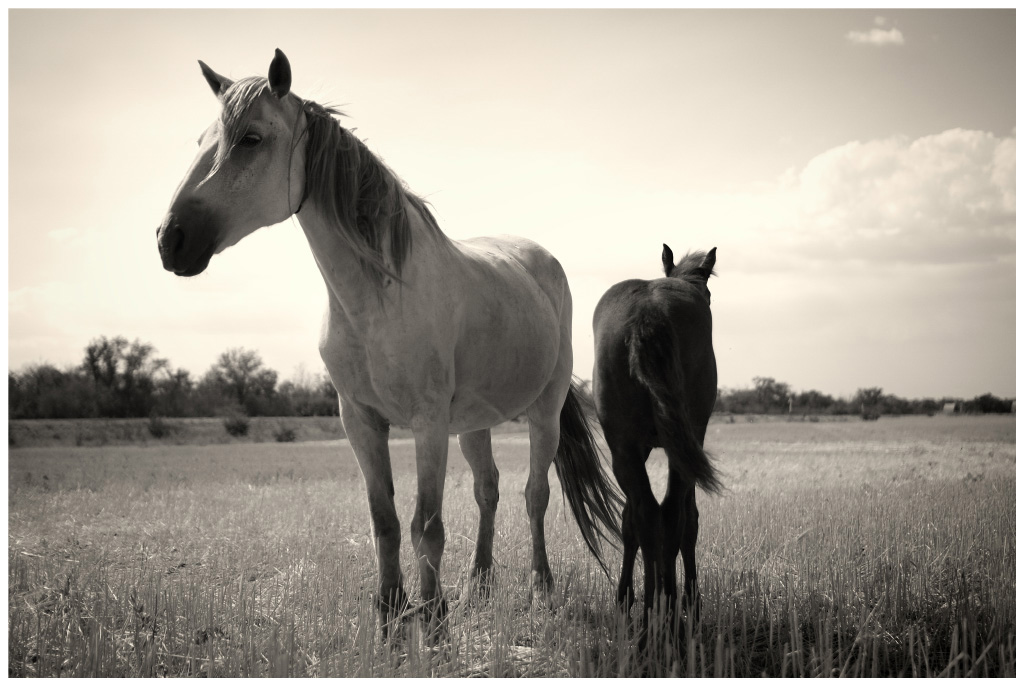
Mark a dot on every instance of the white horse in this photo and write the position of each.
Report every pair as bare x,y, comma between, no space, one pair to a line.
421,331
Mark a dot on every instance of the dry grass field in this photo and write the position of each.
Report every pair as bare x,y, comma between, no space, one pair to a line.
840,549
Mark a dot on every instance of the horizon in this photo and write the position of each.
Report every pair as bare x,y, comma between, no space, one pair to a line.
303,374
855,168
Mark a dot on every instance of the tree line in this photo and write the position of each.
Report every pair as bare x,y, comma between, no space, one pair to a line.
120,379
769,396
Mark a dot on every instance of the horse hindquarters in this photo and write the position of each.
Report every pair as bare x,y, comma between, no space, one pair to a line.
623,409
654,353
682,403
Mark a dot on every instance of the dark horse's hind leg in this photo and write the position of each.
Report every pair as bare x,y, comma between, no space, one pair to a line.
688,549
630,544
644,522
672,517
630,536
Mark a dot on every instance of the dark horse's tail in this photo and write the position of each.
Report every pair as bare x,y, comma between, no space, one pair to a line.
594,499
653,361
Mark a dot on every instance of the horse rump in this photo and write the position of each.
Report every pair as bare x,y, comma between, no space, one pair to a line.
654,363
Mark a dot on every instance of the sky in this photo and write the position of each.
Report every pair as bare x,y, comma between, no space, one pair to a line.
856,170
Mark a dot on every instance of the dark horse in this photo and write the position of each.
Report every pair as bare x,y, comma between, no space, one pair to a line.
655,383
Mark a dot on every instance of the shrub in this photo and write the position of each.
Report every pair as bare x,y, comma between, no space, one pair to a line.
285,434
158,427
237,425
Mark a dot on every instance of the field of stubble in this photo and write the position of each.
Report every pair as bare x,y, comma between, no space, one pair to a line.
841,548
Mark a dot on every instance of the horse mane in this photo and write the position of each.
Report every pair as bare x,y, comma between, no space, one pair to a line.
691,269
352,187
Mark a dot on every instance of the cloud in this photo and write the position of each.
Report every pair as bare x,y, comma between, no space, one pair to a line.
946,198
887,262
876,36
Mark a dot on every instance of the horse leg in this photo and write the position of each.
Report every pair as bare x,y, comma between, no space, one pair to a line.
544,434
672,517
688,548
368,436
476,447
427,528
630,544
644,515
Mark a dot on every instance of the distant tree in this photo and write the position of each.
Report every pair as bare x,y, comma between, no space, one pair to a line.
45,392
812,402
308,395
868,401
772,395
988,403
927,406
123,376
15,394
869,397
240,375
210,397
893,405
328,395
738,401
173,394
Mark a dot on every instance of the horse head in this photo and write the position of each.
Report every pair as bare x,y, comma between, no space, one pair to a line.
248,173
694,267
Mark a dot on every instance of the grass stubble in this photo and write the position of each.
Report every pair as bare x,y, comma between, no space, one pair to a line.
882,549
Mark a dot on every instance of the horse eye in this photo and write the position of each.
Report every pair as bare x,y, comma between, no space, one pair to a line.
250,140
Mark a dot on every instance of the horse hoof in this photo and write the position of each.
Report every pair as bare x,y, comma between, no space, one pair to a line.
543,589
691,605
543,581
479,583
626,597
434,613
434,610
394,612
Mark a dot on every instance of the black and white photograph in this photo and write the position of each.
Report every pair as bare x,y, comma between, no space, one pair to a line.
538,342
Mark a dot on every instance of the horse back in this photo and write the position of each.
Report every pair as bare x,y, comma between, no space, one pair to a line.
516,266
673,319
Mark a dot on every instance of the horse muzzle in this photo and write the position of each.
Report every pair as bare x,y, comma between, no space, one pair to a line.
186,242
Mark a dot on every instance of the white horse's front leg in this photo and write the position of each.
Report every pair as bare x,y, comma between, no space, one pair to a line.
368,435
427,527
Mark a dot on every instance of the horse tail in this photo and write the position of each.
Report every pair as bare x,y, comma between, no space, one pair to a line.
593,497
653,361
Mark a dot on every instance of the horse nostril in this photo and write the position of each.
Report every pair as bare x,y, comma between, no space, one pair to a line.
177,239
171,243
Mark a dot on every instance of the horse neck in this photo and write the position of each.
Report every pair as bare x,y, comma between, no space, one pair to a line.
348,287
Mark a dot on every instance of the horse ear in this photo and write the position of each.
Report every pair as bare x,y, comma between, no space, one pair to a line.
667,260
280,75
708,265
218,83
